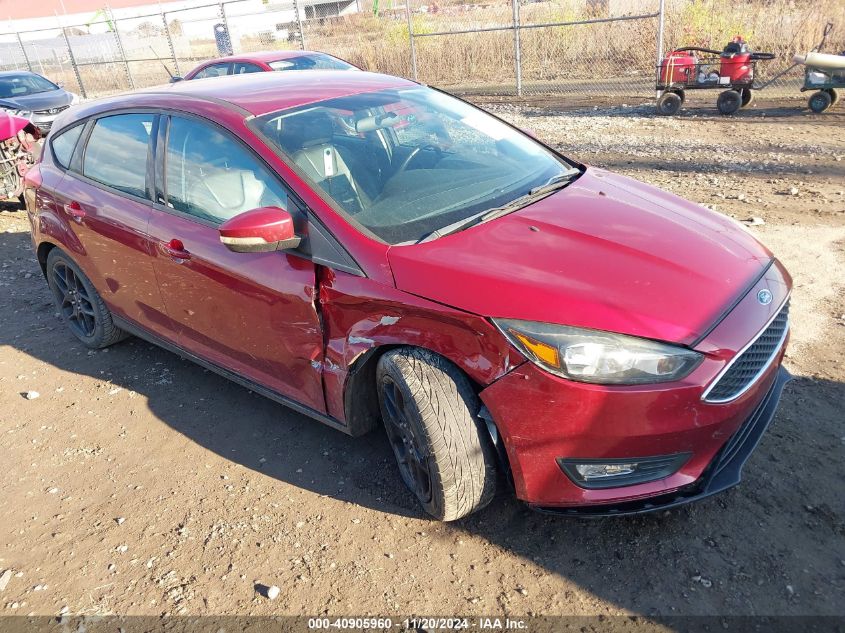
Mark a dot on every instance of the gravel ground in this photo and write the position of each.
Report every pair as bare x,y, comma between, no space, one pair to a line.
138,483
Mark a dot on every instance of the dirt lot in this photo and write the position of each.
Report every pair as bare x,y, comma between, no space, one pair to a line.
138,483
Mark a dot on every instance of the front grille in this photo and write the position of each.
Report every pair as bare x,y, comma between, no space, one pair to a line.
747,366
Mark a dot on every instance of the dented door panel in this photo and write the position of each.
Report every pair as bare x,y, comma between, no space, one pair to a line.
253,313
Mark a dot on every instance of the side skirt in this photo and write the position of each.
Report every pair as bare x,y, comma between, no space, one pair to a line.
140,332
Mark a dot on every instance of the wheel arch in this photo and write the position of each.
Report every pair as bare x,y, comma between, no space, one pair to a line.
42,251
361,404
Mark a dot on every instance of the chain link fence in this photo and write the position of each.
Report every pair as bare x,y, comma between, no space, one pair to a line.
531,48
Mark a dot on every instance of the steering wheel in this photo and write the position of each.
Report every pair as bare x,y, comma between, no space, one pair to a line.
416,152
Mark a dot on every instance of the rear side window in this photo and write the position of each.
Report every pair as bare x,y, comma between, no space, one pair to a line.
116,154
64,144
213,178
311,62
245,67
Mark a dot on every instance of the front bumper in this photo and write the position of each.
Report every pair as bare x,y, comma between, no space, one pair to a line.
724,472
44,121
540,419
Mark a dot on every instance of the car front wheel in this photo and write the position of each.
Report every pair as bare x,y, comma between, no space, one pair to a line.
79,304
444,453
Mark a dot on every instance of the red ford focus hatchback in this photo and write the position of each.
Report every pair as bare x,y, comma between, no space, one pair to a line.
369,251
266,61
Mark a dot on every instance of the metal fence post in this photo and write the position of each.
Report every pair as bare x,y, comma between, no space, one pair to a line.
73,64
413,48
120,49
299,26
23,50
517,47
170,44
661,19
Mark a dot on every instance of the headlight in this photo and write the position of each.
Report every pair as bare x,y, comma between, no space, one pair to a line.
596,356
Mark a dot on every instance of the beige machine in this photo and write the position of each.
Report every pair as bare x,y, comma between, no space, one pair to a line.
822,61
824,73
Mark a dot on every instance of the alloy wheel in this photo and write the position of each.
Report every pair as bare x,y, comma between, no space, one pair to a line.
407,445
74,301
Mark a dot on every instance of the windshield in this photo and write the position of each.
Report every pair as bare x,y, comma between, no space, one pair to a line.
311,62
404,163
23,85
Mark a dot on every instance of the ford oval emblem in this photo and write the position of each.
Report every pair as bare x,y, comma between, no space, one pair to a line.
764,296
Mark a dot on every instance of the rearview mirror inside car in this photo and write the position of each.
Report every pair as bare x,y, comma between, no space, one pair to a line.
260,231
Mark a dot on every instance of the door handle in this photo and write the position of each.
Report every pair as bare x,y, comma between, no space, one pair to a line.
175,249
75,211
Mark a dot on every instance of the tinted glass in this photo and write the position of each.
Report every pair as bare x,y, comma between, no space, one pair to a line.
12,86
243,67
311,62
64,143
213,178
215,70
403,163
116,154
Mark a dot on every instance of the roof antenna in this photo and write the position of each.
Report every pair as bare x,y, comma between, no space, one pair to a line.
161,61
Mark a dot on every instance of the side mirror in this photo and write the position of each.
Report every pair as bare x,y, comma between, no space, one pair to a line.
261,230
175,78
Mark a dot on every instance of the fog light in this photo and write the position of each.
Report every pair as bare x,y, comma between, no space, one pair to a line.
613,473
589,472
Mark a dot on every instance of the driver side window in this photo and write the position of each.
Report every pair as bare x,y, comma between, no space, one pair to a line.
210,176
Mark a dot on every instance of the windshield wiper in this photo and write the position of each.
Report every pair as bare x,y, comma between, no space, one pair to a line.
554,183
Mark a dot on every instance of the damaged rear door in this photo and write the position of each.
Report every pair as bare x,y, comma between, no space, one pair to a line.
251,313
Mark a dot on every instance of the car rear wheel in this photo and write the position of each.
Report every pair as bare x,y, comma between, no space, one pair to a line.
79,304
441,446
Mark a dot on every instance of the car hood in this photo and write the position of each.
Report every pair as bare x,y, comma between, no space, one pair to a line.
42,100
607,252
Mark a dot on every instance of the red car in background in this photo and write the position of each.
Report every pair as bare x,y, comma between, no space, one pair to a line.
267,61
371,251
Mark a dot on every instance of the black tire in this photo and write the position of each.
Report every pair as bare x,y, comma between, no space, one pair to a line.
80,305
729,101
747,96
819,101
669,103
834,96
442,447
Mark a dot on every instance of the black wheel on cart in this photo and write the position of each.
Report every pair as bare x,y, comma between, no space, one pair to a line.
729,102
834,96
669,103
820,101
747,97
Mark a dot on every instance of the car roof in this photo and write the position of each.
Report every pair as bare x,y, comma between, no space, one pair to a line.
261,93
7,73
265,56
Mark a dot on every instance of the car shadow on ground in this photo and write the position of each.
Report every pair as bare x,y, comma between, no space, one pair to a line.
737,552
